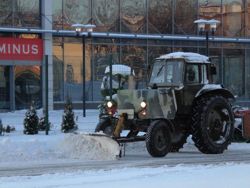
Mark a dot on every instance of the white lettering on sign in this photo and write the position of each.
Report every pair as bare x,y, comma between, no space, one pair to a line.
19,49
3,48
34,49
16,49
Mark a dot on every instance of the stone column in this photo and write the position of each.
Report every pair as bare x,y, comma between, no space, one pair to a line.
46,18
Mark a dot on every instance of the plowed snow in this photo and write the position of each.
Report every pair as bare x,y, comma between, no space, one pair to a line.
84,146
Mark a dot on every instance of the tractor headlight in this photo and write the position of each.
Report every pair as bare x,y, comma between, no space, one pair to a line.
109,104
143,104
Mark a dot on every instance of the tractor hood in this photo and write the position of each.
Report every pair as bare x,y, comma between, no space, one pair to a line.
160,103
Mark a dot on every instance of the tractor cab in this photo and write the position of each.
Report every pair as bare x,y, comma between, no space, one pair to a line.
179,69
120,75
188,74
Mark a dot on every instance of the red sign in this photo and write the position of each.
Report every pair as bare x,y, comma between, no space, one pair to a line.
21,49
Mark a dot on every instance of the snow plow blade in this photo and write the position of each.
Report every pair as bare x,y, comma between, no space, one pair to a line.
121,139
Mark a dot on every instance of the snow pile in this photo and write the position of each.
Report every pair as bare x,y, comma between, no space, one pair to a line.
29,148
35,148
89,147
15,147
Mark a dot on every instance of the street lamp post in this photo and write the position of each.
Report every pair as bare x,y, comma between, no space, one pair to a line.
202,29
79,29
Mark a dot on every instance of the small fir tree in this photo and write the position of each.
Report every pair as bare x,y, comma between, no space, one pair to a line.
42,123
31,121
68,122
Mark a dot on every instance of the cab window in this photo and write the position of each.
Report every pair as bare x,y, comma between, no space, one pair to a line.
192,74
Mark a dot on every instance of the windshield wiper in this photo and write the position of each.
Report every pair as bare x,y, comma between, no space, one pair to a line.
160,70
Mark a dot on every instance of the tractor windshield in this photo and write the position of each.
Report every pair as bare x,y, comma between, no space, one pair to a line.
167,72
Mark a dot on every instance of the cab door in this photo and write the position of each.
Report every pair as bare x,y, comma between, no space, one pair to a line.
193,82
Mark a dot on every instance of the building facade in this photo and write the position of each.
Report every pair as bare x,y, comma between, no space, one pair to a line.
22,81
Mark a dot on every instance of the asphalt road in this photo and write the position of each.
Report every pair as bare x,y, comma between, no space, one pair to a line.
135,156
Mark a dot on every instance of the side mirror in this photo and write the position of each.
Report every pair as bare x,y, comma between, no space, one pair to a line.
213,69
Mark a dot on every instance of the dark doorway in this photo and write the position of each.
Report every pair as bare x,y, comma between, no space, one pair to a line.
27,86
4,87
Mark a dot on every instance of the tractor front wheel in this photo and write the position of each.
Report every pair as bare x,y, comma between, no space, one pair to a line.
158,139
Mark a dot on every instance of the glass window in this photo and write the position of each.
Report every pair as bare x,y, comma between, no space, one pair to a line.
233,14
185,14
216,59
73,70
247,21
133,16
76,11
106,15
58,69
160,16
234,71
102,57
57,14
20,13
247,72
204,74
101,60
192,74
211,9
158,72
6,13
67,64
27,13
135,57
167,72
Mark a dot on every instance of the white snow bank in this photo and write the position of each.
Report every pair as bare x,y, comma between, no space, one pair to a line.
17,148
27,148
90,147
38,148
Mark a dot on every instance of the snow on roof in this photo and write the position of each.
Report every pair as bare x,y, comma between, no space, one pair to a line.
119,69
187,56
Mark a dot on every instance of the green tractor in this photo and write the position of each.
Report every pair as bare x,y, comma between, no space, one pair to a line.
181,100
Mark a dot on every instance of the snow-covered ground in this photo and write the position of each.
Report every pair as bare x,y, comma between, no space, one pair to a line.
226,176
17,150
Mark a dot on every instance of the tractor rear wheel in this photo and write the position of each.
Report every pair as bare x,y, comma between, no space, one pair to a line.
212,124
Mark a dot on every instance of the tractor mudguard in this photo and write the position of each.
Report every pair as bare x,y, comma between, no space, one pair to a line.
214,89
